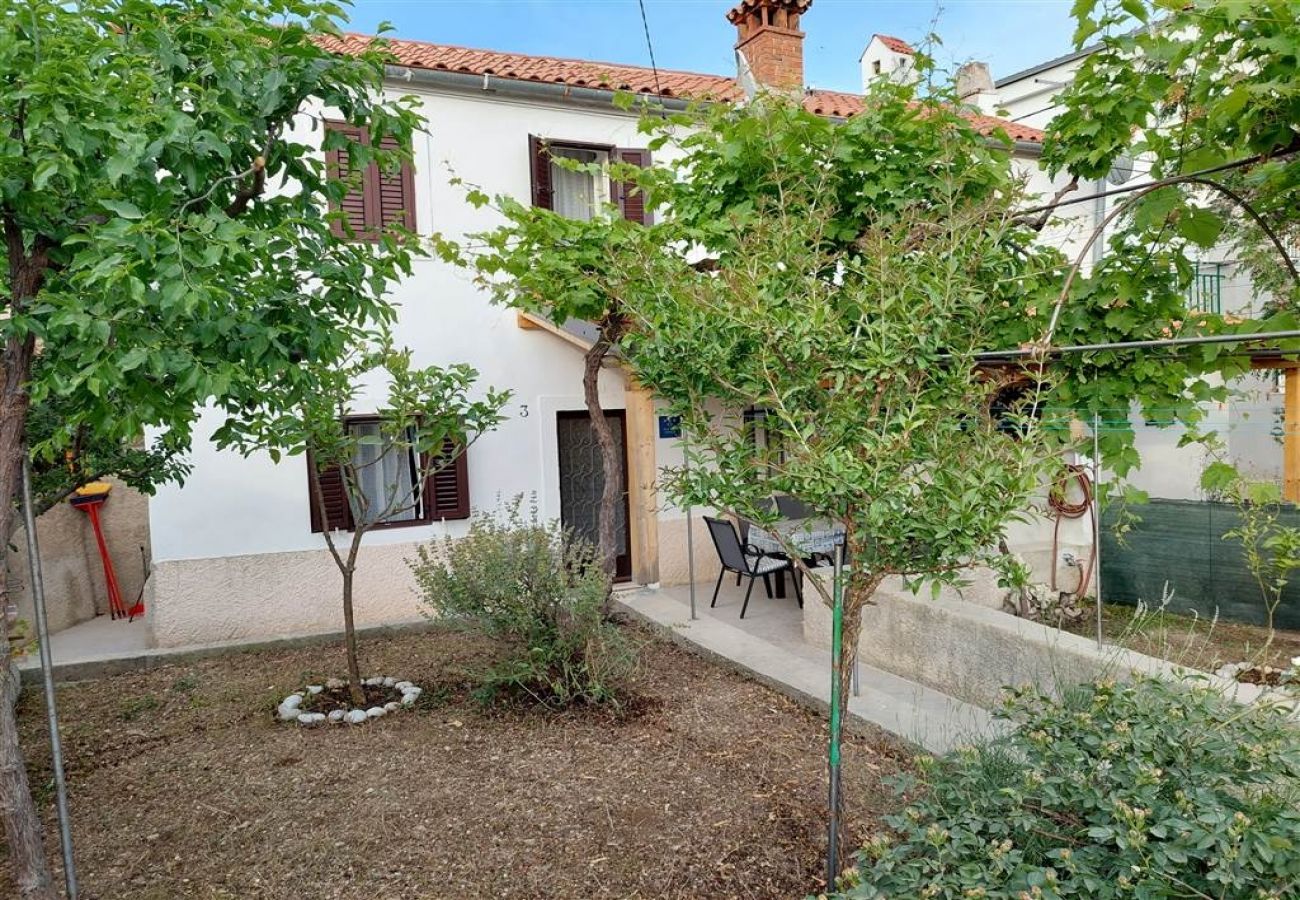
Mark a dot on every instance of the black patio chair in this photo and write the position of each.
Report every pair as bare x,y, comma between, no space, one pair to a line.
746,561
743,525
793,507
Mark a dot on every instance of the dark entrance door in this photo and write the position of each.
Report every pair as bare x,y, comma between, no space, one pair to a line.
582,480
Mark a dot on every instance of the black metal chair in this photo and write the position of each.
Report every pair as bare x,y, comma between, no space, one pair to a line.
793,507
743,525
746,561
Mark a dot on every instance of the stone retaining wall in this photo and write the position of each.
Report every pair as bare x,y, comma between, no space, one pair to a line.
971,652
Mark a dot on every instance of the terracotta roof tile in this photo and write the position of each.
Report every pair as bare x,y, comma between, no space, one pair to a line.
842,106
615,76
898,45
575,72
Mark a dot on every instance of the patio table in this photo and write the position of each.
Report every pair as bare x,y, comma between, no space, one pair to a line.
809,537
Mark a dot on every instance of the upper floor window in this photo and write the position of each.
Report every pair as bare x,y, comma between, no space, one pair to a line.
582,193
579,193
377,199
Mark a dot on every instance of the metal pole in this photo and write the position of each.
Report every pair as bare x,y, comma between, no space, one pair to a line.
1096,517
837,641
47,676
857,678
1193,341
690,540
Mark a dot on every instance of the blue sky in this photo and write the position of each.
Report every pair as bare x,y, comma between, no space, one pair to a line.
694,34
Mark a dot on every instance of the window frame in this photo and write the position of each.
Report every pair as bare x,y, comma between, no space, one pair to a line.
425,507
429,500
630,205
603,189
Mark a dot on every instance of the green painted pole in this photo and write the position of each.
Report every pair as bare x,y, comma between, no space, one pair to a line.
833,754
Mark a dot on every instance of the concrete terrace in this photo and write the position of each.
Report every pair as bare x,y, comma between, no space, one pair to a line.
769,645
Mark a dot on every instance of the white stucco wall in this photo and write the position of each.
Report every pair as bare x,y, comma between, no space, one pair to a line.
234,554
233,549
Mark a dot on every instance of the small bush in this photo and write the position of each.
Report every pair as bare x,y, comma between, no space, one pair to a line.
540,588
1146,790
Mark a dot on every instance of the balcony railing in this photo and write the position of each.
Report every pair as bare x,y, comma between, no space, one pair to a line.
1206,291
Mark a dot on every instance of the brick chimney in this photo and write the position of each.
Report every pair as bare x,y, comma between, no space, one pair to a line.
769,44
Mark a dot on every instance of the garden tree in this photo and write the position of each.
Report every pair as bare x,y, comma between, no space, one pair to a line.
146,257
366,471
826,351
89,457
543,262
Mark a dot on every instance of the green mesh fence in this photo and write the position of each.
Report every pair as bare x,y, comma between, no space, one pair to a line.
1181,543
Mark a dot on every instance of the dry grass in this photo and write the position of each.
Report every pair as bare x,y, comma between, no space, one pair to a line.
1197,643
182,785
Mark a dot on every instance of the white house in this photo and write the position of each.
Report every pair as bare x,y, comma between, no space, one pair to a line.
236,553
888,57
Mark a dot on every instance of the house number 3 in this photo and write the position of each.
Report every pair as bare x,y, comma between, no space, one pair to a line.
523,410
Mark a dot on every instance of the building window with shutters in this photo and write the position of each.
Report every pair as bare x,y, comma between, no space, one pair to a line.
383,485
377,200
582,194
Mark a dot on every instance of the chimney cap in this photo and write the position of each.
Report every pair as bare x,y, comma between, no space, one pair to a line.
973,78
747,7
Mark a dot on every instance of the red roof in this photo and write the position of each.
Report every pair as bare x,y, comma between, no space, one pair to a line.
575,72
840,105
898,45
615,77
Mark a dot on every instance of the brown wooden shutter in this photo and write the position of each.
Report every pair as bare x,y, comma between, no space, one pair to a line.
448,488
334,491
630,198
541,168
356,203
397,193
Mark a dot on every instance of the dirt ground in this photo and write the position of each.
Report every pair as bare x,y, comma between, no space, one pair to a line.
1192,642
182,785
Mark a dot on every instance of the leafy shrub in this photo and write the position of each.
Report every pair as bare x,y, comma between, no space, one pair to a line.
1146,790
541,588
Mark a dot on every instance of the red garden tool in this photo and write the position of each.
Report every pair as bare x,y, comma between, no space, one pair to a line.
89,499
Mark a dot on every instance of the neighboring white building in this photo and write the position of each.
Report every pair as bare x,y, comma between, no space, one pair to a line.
234,551
888,57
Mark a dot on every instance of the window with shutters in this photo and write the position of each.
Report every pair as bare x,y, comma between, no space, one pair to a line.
377,199
386,488
581,194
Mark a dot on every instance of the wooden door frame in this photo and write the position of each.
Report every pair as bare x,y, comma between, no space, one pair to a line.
625,563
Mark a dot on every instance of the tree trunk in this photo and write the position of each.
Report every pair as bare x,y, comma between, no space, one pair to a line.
22,825
357,696
611,494
858,591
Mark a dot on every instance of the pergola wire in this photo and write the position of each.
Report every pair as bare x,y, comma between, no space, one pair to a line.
1194,340
1172,179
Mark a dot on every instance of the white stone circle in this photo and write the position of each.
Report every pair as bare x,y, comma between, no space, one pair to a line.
290,708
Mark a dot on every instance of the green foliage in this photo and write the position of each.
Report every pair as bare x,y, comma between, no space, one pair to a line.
1270,549
854,276
541,589
140,465
423,409
1146,790
1204,84
162,266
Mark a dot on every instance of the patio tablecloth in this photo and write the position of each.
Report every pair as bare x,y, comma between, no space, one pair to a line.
809,535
